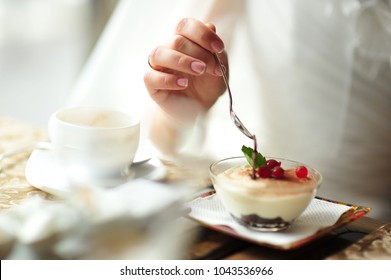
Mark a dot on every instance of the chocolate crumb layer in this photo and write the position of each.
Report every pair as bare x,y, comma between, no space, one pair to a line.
262,224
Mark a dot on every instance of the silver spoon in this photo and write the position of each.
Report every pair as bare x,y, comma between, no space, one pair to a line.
234,117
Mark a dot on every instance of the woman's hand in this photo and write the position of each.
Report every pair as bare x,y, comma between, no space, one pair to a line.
184,77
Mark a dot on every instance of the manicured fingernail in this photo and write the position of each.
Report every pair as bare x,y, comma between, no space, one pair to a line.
198,67
217,46
182,82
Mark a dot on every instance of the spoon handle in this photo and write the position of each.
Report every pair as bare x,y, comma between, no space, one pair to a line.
225,78
234,117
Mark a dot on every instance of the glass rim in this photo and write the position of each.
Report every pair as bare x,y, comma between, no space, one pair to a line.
294,188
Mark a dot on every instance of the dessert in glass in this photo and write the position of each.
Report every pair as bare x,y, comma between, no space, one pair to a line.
271,200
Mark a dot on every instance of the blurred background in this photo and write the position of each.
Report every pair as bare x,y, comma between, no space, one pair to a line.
43,46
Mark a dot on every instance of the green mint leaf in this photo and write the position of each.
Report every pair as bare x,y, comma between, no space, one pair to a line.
259,159
248,153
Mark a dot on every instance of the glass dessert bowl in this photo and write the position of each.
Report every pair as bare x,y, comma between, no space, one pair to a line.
266,203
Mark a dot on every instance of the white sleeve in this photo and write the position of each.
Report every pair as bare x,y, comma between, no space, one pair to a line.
113,74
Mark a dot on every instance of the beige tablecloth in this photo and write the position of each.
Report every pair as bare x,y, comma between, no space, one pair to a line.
13,186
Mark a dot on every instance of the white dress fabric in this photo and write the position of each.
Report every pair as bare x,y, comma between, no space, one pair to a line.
312,79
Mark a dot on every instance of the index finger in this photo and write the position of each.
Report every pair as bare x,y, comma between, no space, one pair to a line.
201,34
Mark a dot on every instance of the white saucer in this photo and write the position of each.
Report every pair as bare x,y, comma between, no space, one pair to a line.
43,172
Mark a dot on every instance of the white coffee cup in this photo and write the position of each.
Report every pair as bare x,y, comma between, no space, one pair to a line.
95,146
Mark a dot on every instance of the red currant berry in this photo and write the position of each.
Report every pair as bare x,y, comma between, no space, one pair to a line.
264,171
301,172
278,172
271,163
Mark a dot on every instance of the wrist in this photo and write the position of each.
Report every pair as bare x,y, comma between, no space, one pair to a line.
170,135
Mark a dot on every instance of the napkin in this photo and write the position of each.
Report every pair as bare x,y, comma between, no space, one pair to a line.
319,214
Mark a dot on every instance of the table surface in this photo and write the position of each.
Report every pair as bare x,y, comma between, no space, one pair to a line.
365,238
